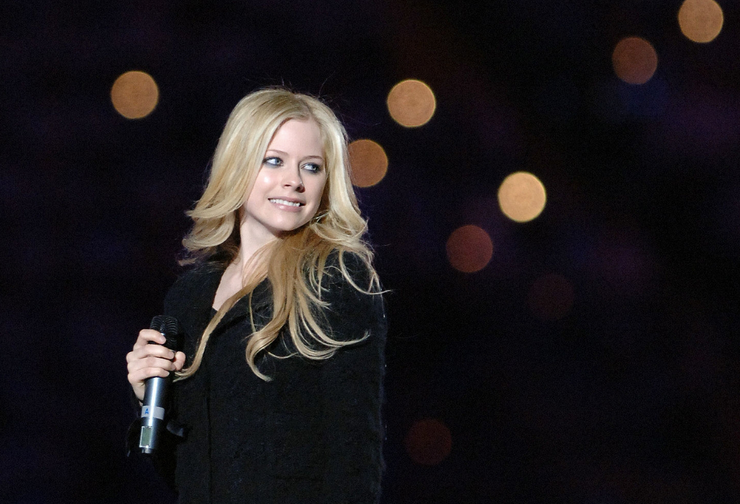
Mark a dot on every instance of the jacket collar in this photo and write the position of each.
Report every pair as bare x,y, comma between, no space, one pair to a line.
258,301
261,298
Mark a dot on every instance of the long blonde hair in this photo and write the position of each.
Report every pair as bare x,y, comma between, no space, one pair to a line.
296,263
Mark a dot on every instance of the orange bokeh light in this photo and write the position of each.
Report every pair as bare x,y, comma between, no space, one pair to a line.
469,249
700,20
134,94
411,103
551,297
522,197
428,442
634,60
369,162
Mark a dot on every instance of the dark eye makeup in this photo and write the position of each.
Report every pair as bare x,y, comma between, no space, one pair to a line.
274,161
312,167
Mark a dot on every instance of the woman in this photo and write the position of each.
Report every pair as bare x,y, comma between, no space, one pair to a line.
279,387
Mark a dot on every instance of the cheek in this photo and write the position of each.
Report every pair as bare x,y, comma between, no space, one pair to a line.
262,183
265,178
320,192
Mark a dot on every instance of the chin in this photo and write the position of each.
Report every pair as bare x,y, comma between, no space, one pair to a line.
289,230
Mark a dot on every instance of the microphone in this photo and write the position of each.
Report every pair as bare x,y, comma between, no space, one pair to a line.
155,395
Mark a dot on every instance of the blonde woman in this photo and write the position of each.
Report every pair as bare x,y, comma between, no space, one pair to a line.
279,388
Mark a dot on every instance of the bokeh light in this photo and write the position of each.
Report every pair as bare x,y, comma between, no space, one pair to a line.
700,20
428,442
469,249
134,94
522,197
551,297
369,162
411,103
634,60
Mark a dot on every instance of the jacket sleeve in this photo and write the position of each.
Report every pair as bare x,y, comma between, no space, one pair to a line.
352,394
176,303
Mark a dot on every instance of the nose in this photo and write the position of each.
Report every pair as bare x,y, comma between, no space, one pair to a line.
293,179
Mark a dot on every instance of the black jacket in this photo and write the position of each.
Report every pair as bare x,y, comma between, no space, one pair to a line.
311,435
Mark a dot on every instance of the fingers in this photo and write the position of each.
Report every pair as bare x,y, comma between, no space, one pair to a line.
150,350
150,358
179,361
148,367
149,335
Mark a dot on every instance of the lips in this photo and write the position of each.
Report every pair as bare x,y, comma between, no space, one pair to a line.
286,202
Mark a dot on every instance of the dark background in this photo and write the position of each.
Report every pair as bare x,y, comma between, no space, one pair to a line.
629,398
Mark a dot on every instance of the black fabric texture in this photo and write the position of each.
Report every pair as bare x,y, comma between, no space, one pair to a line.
311,435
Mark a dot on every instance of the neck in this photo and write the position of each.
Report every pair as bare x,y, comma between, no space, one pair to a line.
246,262
251,242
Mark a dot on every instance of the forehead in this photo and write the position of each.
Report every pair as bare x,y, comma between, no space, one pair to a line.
298,134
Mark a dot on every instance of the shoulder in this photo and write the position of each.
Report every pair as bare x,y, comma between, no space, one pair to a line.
353,297
347,268
197,282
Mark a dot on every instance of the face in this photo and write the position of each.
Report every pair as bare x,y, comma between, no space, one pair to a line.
289,185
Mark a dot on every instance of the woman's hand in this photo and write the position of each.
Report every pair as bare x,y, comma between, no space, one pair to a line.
151,358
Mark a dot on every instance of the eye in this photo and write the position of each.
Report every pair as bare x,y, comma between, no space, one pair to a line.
312,167
273,161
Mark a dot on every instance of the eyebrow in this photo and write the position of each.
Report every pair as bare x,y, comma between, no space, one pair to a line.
312,156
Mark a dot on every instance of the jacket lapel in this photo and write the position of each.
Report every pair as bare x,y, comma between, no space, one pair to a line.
261,303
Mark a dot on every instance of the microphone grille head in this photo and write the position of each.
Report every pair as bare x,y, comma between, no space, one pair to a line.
165,324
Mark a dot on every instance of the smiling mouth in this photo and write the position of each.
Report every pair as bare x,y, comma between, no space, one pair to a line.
285,202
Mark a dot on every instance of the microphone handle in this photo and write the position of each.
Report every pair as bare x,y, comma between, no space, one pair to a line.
155,395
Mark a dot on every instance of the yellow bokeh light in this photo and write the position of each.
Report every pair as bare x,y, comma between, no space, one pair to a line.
428,441
700,20
369,162
634,60
522,197
469,249
134,94
411,103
